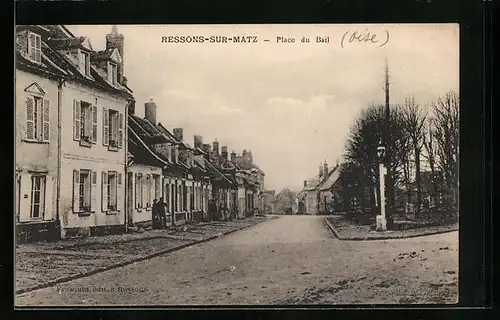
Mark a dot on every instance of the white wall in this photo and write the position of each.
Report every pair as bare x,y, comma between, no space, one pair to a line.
96,158
35,156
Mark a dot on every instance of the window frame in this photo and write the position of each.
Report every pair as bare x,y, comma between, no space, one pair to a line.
86,62
113,129
86,123
81,191
113,73
41,196
31,49
112,175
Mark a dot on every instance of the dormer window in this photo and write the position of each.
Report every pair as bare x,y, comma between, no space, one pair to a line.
112,73
85,63
34,47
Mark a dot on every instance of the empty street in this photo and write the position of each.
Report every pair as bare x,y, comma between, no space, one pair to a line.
289,260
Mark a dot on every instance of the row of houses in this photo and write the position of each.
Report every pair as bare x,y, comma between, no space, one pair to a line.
86,164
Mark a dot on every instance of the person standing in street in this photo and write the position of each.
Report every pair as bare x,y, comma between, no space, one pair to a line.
155,215
162,213
212,209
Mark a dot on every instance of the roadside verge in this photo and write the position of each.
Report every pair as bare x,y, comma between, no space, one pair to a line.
355,233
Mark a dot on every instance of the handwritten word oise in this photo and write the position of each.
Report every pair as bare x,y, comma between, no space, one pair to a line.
363,37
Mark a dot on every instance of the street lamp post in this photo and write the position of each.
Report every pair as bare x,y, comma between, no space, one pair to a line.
381,219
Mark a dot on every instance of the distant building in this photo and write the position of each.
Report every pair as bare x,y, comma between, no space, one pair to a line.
317,195
285,201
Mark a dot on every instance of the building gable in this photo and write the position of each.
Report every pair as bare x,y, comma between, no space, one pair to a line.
35,89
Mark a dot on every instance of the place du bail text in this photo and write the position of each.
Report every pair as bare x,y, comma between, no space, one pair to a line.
347,38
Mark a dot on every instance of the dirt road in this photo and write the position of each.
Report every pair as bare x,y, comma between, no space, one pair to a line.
290,260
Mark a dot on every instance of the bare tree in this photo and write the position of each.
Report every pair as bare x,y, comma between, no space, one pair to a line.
446,133
430,156
414,120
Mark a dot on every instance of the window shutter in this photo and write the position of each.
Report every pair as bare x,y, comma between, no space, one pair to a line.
49,198
120,130
76,191
32,46
38,49
30,118
145,198
105,127
93,191
151,190
88,122
94,124
46,120
104,192
137,190
25,201
76,120
119,192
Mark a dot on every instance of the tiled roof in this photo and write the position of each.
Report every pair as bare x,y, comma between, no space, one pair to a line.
167,133
66,43
141,152
330,179
215,173
58,38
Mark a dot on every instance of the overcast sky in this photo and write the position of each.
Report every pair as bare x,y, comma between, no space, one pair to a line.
291,104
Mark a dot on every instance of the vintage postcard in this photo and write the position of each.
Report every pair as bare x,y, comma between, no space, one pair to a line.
258,165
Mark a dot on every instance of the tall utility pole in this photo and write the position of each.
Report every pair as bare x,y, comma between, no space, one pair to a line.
387,135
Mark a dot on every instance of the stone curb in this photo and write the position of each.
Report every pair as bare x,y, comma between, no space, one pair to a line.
368,238
125,263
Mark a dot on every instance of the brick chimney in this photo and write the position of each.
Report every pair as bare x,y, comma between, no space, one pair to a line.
150,111
320,174
216,147
305,183
233,157
325,169
116,40
198,141
178,134
223,152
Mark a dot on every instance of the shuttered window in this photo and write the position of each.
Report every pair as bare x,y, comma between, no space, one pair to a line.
83,183
34,47
37,119
84,122
112,190
114,128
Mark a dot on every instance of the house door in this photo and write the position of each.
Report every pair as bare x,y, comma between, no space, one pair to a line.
130,198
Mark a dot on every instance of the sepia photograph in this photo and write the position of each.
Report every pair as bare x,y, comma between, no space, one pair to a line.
236,165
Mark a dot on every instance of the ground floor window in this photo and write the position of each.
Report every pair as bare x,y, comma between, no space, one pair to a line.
138,191
37,196
84,191
112,190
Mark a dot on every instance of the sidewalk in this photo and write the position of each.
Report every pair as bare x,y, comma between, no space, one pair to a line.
41,265
345,231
